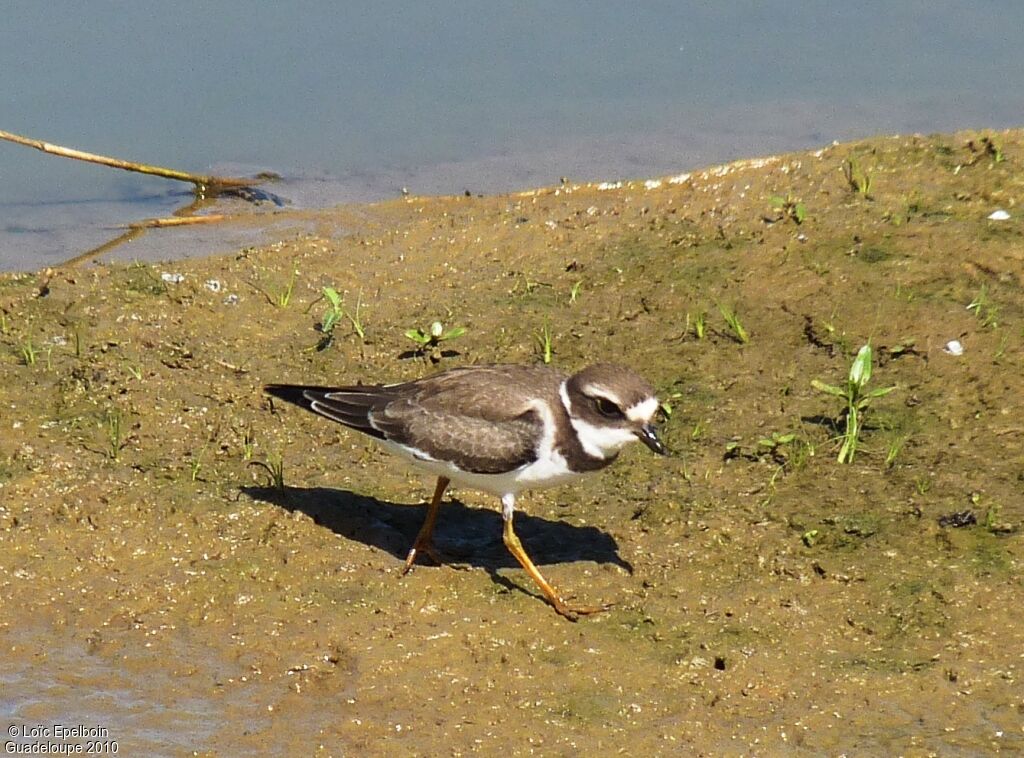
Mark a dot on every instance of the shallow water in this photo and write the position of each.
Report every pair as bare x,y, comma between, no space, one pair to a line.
357,103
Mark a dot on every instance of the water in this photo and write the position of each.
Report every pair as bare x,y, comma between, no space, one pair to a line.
353,101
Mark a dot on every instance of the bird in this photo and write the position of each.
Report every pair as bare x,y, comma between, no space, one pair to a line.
500,429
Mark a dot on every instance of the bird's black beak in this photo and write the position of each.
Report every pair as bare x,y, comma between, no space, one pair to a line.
649,437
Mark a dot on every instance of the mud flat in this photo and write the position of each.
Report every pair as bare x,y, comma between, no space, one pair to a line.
156,581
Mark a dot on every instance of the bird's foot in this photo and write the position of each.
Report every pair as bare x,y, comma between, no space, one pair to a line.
573,612
441,559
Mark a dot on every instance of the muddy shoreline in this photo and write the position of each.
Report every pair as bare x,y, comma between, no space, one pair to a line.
156,581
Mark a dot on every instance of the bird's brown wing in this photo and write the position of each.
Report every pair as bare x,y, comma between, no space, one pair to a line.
482,419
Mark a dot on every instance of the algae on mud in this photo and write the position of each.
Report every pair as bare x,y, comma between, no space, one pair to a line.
148,567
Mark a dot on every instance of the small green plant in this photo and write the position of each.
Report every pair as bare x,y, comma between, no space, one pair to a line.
114,428
666,405
574,293
894,448
857,398
28,352
429,342
699,324
334,314
779,447
989,148
283,297
356,320
858,179
78,344
330,319
993,149
248,443
274,466
789,207
544,343
733,320
1004,341
984,309
774,445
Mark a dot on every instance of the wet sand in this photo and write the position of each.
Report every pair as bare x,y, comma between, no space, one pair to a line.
157,582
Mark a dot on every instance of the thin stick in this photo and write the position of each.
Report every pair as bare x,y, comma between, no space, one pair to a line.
158,223
200,181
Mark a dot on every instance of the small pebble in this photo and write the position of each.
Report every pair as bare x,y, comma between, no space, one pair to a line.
172,278
999,215
213,285
953,347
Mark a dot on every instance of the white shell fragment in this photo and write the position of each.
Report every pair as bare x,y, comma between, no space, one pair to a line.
213,285
172,278
954,347
999,215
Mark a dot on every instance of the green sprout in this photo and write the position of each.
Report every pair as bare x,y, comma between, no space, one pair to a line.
733,320
990,148
274,467
858,179
334,314
248,443
790,207
115,434
196,464
857,399
697,323
544,343
984,309
994,150
894,448
574,293
429,342
667,406
285,296
773,445
355,320
28,352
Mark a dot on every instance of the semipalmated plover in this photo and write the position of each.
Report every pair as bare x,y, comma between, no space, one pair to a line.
500,429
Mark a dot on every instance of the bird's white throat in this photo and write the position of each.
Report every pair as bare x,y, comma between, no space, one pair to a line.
602,442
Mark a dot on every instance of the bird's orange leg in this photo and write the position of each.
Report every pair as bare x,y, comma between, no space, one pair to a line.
571,612
425,539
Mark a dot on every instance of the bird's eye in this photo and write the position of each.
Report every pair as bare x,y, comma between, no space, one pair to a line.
607,408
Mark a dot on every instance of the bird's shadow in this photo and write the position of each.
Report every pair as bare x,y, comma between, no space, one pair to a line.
469,536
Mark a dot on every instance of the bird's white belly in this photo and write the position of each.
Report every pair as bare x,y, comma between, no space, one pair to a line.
547,471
